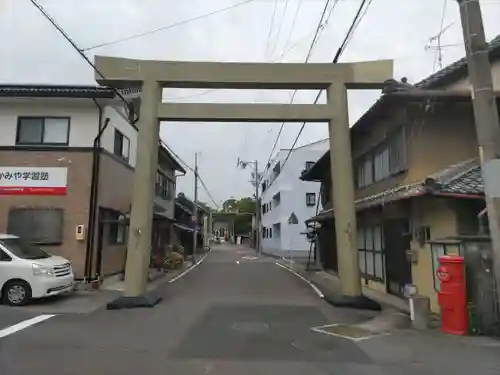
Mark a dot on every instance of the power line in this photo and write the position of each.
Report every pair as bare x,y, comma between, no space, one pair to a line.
357,19
299,6
320,26
277,60
271,26
73,44
191,169
282,22
170,26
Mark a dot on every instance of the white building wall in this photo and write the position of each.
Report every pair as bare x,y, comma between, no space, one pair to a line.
84,117
293,200
118,121
84,121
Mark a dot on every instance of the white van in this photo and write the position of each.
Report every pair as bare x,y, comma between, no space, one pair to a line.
26,272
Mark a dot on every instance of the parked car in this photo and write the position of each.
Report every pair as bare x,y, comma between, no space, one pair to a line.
27,272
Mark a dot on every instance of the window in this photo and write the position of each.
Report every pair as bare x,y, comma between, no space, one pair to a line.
43,226
364,172
121,145
116,229
381,168
370,252
162,186
309,165
4,257
397,152
42,130
387,160
270,232
310,199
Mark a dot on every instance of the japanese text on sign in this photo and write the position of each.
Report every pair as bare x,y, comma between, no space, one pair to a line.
35,176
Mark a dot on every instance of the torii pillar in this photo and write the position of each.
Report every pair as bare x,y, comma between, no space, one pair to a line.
153,75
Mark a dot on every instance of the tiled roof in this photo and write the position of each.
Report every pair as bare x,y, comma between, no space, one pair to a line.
467,179
460,179
458,68
55,91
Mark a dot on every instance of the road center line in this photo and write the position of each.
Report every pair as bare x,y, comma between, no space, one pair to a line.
24,324
190,268
313,287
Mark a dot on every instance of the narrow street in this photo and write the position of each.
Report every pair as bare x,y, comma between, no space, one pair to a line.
233,314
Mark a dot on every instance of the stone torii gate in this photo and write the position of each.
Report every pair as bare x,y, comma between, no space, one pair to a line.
153,75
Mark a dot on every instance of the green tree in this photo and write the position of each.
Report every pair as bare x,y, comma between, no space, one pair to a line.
243,205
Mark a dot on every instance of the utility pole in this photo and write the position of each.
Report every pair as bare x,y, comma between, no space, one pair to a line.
486,118
195,210
210,228
256,180
257,208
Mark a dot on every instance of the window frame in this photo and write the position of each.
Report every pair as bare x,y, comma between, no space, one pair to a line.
162,186
124,137
308,203
309,164
43,119
365,252
59,236
394,146
114,229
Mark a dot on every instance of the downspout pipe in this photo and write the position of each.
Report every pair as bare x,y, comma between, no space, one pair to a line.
94,184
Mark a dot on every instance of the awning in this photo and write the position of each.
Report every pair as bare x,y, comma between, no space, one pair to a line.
322,216
183,227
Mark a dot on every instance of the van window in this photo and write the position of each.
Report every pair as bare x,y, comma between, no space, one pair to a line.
4,257
23,250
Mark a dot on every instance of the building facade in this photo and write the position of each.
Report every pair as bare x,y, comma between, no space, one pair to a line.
286,202
67,157
185,224
417,182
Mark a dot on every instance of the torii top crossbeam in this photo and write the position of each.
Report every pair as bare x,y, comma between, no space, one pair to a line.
121,72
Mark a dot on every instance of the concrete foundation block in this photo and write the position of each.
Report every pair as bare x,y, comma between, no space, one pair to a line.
420,311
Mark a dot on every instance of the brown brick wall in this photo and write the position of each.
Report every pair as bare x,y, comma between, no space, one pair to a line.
115,191
75,203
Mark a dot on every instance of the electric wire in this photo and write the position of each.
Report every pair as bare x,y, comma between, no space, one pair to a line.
355,23
319,27
73,44
170,26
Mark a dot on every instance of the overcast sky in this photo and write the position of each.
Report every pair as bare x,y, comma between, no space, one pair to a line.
33,52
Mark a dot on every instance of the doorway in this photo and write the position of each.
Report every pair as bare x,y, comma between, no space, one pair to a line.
397,239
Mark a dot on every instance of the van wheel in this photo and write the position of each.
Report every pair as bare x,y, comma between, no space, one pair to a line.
16,293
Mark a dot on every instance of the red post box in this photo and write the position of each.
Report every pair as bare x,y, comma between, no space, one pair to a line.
452,295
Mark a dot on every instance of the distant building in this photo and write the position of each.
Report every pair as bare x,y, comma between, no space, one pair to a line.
286,202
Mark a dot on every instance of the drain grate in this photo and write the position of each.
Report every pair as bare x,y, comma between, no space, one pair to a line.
251,327
346,331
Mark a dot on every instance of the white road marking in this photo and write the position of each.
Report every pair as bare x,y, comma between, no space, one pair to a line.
355,339
249,258
237,262
24,324
190,268
313,287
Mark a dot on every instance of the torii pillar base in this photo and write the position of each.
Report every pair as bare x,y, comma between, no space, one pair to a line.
145,300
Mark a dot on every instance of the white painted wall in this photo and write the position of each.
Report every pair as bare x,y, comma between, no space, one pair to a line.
293,200
118,121
84,118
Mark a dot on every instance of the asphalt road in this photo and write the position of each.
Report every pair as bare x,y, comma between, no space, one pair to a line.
231,315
